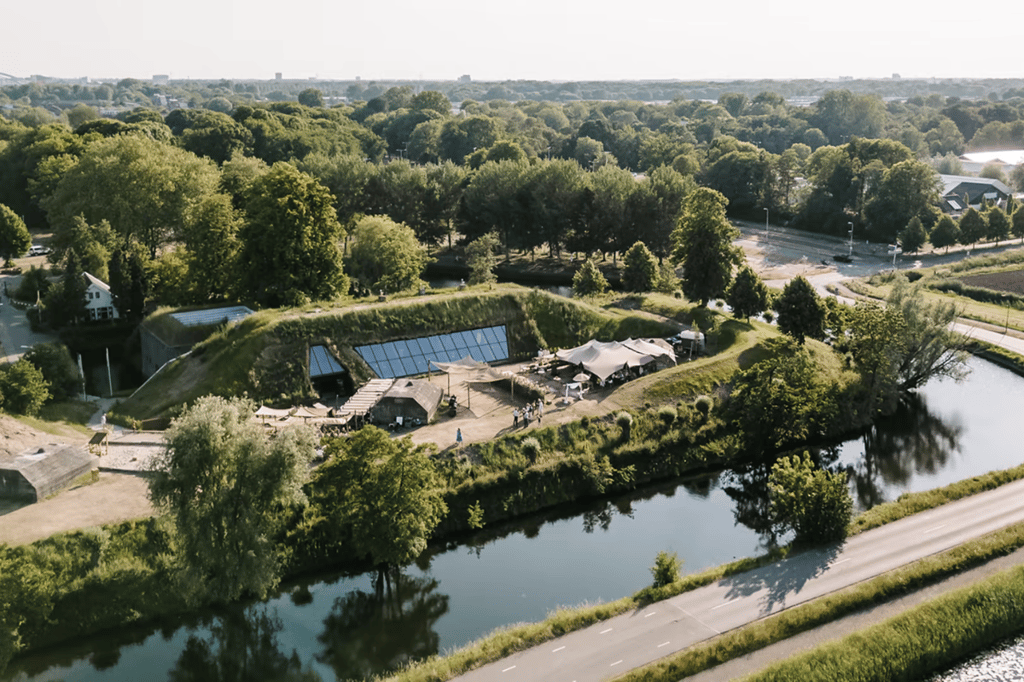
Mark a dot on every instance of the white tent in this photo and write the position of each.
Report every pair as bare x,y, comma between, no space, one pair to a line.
602,359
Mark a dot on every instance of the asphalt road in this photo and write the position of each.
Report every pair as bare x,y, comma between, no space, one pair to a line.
612,647
16,335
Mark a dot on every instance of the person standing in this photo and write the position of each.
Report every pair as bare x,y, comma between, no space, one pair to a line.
540,410
515,418
458,437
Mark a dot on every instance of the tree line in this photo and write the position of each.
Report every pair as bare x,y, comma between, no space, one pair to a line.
190,206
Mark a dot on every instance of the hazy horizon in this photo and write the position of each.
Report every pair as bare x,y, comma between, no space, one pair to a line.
559,40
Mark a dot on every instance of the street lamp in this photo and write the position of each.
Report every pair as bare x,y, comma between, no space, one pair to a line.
851,239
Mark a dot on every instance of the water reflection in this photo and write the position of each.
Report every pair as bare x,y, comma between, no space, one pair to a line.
367,634
911,441
241,647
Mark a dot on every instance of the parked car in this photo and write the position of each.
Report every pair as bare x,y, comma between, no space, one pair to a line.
38,250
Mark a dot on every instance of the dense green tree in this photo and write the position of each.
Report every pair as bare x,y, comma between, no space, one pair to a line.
782,399
973,227
703,245
640,269
998,224
492,202
800,313
290,240
907,190
92,245
913,236
386,255
211,246
588,280
385,492
742,177
58,369
812,502
145,189
23,387
552,199
1017,223
945,233
311,97
14,236
445,185
747,295
224,482
872,335
65,302
130,282
431,100
930,348
481,257
842,115
216,136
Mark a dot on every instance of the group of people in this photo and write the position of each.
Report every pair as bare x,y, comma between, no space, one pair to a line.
528,413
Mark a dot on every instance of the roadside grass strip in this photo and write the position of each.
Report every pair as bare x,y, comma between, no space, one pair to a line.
870,593
918,642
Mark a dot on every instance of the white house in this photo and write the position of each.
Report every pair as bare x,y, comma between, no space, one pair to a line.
99,304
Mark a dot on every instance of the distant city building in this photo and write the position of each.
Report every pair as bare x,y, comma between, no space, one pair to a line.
465,78
161,79
278,76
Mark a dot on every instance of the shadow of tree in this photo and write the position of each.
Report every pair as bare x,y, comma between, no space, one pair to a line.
782,579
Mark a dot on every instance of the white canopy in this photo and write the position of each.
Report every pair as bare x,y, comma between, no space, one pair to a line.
604,358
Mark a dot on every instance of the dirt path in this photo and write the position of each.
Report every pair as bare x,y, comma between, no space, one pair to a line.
112,499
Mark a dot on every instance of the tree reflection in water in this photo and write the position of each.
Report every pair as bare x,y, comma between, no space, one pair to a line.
912,440
242,647
747,486
371,633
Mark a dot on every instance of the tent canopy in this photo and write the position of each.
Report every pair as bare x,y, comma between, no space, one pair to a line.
468,368
604,358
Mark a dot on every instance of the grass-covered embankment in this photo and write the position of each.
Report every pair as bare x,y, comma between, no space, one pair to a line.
266,355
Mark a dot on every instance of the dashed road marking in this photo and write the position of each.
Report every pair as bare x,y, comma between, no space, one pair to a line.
725,604
653,613
663,644
932,530
615,663
558,649
507,669
841,561
604,631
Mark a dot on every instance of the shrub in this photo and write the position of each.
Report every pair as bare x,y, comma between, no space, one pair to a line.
531,448
625,422
666,569
667,415
704,404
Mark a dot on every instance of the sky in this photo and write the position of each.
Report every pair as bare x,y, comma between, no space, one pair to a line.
550,40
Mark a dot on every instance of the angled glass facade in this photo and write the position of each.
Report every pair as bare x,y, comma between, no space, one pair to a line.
410,356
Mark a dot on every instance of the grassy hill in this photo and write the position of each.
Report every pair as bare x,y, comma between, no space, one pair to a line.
266,355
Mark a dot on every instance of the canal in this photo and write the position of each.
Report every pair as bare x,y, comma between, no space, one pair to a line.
335,626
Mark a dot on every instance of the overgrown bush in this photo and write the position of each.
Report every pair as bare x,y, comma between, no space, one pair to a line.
666,568
624,420
666,415
531,448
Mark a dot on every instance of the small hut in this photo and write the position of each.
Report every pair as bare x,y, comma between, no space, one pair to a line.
35,475
408,399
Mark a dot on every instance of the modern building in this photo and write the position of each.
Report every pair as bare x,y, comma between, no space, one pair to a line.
961,191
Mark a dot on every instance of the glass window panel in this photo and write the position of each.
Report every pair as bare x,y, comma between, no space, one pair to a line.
425,347
491,335
410,366
453,355
502,350
449,343
488,353
378,352
463,339
477,354
437,344
421,364
389,350
402,347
